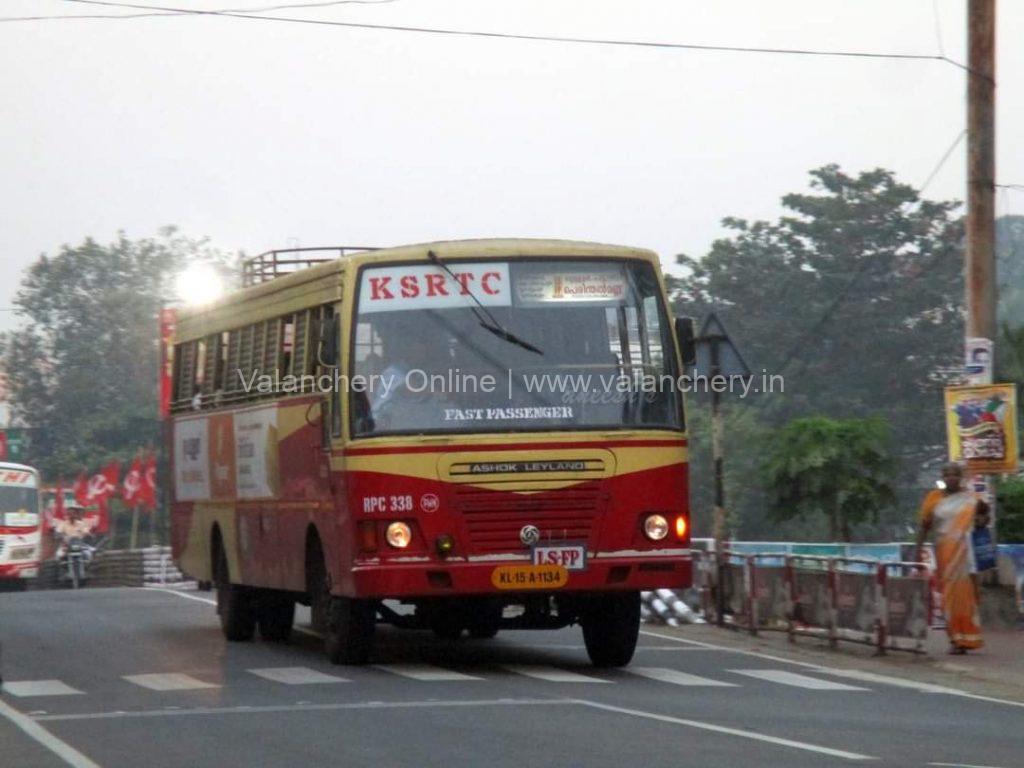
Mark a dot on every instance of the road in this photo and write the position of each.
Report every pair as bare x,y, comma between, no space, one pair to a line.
133,677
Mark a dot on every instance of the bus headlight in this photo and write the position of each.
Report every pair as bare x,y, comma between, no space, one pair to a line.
655,527
399,535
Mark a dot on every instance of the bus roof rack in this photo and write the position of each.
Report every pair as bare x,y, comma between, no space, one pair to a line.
267,266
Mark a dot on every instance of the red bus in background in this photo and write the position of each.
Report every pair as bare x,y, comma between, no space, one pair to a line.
21,523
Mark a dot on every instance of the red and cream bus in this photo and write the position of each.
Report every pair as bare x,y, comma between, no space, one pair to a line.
20,524
488,432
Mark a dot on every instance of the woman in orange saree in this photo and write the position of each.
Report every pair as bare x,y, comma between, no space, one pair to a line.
950,513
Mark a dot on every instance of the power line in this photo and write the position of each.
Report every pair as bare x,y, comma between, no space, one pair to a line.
938,27
534,38
281,7
943,159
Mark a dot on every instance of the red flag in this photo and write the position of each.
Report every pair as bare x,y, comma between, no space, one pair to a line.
56,510
104,483
131,487
101,487
168,321
102,524
147,493
82,489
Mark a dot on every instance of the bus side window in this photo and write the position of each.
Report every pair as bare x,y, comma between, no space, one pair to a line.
220,376
335,390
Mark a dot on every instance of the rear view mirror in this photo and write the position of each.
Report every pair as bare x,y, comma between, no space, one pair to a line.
687,342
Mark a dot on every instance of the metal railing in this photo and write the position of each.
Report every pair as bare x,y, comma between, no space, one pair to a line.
267,266
884,604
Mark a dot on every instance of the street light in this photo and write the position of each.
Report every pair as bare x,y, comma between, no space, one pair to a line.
198,284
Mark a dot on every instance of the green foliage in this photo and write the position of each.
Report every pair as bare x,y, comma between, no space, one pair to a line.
745,438
854,295
82,371
837,468
1010,270
1010,511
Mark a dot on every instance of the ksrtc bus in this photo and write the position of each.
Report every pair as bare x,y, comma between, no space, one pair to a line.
460,436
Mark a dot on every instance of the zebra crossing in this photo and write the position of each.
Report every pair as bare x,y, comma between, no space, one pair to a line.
429,673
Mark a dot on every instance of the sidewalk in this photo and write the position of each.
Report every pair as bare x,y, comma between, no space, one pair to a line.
997,670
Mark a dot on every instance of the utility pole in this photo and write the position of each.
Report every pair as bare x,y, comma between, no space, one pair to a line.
979,257
980,265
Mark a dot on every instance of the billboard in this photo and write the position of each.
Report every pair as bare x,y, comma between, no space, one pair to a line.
981,427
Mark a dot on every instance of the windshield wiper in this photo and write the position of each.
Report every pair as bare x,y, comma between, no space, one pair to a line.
490,323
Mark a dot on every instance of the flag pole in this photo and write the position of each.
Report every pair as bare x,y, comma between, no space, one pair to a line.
135,528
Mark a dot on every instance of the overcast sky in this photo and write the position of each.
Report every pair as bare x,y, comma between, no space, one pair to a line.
263,134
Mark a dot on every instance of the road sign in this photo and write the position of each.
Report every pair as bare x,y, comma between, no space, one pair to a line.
716,352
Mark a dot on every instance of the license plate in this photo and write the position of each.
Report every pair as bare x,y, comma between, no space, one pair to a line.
572,557
529,577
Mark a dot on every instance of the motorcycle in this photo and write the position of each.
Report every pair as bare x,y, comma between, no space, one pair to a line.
74,556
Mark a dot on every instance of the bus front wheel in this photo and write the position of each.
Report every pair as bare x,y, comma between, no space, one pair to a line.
348,636
611,628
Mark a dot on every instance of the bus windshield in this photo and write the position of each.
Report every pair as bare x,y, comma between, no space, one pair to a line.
18,506
527,345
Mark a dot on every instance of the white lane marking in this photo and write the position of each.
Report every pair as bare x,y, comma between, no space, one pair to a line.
729,731
310,708
297,675
581,647
852,674
206,600
39,688
675,677
33,730
783,677
551,674
168,681
304,630
425,672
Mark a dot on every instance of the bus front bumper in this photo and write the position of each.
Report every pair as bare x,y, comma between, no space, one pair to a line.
19,570
437,578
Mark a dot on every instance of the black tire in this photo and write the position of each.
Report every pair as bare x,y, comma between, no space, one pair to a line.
447,626
348,638
235,604
275,615
611,628
347,625
485,620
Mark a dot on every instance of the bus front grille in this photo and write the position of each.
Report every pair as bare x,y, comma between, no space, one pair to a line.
495,519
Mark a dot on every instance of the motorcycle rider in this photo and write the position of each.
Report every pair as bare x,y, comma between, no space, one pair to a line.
74,529
74,526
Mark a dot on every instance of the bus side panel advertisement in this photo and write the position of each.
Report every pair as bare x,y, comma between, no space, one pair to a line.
192,459
256,453
227,455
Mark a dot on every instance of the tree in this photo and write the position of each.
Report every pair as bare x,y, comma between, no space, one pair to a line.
838,468
854,295
82,372
1010,511
1010,270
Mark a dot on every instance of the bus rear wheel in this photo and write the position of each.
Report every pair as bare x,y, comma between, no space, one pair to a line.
350,625
275,614
611,628
235,604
